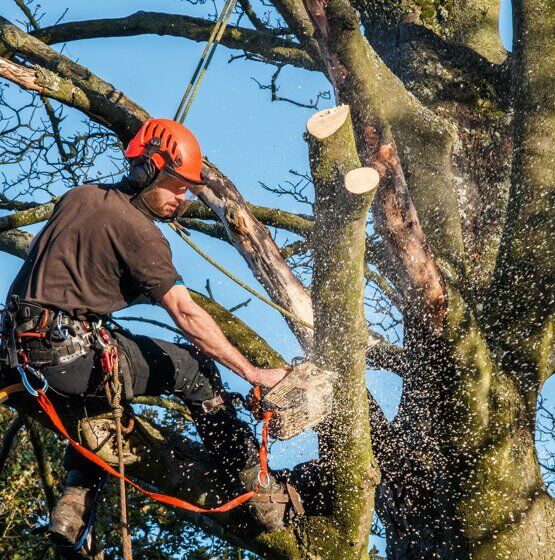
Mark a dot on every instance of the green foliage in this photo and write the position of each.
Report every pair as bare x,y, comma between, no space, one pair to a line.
23,509
157,532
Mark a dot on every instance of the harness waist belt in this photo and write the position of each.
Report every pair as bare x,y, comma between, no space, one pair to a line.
47,337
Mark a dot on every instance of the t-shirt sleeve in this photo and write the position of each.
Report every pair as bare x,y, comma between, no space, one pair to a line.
152,269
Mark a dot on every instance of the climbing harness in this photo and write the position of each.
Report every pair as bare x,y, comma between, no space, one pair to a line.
205,59
47,337
36,385
182,232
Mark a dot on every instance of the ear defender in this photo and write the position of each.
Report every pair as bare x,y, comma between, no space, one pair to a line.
142,174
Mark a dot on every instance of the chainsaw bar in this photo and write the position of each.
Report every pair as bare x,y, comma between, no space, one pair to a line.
301,400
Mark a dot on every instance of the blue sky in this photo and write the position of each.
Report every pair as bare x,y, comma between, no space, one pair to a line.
249,138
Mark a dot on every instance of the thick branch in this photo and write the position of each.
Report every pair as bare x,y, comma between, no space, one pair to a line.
262,43
165,403
522,306
15,242
254,243
475,24
15,205
338,242
239,334
384,355
32,213
28,217
25,78
283,285
298,20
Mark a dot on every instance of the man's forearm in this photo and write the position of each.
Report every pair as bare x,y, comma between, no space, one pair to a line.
204,333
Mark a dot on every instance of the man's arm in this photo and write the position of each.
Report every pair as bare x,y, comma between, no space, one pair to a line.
203,332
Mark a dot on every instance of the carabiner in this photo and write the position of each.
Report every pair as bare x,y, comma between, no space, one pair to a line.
62,332
25,380
266,482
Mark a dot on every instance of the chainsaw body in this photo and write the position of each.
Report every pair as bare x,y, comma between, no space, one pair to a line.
301,400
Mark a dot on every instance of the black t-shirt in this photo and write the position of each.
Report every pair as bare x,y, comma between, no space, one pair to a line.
97,254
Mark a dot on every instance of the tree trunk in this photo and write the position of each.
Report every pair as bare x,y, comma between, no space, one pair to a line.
337,292
443,494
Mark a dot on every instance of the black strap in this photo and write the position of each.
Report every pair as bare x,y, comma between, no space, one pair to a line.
11,358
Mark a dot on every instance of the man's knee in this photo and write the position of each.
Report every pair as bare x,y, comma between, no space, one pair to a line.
204,385
208,368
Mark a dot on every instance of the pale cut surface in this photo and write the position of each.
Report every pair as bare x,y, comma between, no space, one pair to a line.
324,123
362,180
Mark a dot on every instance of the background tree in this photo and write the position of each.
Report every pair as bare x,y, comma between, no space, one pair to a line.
459,247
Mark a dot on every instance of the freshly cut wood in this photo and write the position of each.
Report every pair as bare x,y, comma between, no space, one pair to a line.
328,121
20,75
362,180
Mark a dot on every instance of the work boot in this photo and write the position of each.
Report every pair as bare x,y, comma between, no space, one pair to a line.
275,504
70,517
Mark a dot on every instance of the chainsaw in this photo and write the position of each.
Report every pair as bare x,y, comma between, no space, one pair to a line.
300,401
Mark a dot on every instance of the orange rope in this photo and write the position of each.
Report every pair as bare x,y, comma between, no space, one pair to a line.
47,406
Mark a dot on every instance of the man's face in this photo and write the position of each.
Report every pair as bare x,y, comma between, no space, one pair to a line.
168,196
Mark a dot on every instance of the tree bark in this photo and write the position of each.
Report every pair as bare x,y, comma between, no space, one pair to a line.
521,302
337,292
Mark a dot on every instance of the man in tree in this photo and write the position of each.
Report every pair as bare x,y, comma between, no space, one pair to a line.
100,251
460,132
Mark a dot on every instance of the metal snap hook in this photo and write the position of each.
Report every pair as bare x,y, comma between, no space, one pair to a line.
263,483
27,384
61,331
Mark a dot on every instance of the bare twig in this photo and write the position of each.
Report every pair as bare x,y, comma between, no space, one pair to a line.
274,88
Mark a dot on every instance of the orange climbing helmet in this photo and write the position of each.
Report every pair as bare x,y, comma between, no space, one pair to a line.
170,146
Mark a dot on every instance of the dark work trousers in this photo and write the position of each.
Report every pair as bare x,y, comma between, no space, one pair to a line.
158,367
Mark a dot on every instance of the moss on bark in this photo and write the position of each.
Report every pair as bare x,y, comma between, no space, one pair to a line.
340,345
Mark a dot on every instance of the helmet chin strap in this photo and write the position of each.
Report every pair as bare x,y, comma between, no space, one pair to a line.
139,202
144,177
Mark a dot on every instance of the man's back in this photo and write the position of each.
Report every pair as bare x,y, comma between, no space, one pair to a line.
97,254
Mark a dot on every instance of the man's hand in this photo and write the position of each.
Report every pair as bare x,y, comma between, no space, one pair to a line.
266,377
